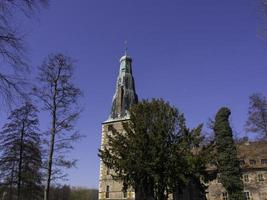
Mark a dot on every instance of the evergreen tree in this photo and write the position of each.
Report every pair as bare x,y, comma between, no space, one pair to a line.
187,168
227,162
20,161
154,153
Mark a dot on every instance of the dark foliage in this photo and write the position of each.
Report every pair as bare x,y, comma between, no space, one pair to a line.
20,161
227,162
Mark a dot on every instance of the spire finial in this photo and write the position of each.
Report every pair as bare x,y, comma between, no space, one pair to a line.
126,47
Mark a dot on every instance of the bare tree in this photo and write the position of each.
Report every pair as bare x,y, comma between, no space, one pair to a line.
257,115
12,57
262,8
59,96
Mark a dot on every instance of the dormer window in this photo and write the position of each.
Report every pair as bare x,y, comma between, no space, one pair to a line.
264,161
252,162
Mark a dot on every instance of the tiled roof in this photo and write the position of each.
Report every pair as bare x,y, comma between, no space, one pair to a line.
252,154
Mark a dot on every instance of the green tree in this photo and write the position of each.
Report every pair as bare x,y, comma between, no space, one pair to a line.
257,115
20,161
154,154
187,169
227,162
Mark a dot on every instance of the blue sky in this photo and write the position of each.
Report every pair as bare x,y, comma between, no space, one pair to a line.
198,55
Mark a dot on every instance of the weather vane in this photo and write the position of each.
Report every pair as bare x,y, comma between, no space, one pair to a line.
126,47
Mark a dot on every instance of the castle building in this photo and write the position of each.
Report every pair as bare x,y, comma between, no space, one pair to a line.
124,97
252,155
253,162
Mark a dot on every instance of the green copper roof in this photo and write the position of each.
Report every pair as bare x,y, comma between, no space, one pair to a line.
125,95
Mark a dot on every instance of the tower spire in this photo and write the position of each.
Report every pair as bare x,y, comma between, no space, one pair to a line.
125,95
126,47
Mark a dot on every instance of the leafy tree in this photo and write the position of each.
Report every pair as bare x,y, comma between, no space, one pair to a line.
257,115
12,47
154,153
188,164
59,96
20,161
227,162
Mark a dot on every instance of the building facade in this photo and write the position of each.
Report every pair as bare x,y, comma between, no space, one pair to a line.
252,155
253,160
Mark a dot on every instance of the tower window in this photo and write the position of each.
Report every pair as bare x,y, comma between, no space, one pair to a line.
126,82
107,191
110,127
108,170
218,178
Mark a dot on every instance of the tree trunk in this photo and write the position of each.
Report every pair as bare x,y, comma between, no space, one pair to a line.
20,161
177,194
49,169
139,193
52,144
10,194
161,189
143,192
50,159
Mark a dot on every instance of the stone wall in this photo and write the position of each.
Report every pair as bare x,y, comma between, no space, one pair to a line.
253,161
255,185
109,188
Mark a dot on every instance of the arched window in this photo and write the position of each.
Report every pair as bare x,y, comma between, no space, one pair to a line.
107,191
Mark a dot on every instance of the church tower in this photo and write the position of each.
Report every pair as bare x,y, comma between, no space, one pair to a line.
124,97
